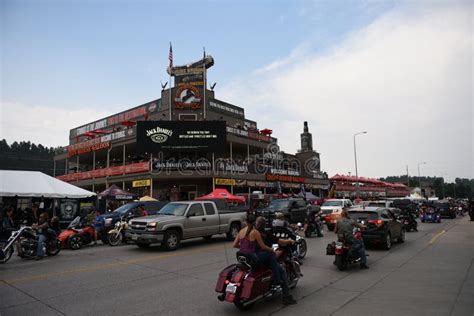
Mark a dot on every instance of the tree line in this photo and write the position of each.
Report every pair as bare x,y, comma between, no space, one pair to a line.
461,188
25,155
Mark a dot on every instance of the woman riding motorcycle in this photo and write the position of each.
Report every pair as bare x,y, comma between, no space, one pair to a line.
250,241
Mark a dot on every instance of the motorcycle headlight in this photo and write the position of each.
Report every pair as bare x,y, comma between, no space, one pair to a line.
125,226
108,222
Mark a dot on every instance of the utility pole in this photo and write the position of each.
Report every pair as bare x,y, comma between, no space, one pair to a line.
408,178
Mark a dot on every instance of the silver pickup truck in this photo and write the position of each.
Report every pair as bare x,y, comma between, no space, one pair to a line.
183,220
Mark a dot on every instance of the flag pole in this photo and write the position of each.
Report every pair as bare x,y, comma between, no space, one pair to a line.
204,78
170,57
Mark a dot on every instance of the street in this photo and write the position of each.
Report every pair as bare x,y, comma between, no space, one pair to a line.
432,273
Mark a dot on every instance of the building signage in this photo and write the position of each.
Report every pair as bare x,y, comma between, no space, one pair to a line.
182,165
118,118
283,178
97,143
220,181
141,183
231,167
225,107
187,97
193,73
286,172
105,172
156,136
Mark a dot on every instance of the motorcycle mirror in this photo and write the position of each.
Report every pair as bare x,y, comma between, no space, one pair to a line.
299,225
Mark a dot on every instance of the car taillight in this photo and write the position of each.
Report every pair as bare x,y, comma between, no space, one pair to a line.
377,222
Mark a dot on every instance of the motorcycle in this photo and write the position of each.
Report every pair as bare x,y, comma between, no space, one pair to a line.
409,222
117,234
26,244
247,281
344,254
314,226
300,248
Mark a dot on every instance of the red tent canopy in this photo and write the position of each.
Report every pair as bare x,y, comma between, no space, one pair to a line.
221,194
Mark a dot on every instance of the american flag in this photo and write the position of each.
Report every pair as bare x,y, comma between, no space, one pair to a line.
170,56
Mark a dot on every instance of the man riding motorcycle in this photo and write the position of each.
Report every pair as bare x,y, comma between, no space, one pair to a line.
344,230
253,239
42,229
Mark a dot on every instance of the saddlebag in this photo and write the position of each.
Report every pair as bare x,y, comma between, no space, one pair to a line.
256,283
225,274
331,249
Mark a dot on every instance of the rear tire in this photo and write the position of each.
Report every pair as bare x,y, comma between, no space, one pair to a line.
340,263
308,233
233,231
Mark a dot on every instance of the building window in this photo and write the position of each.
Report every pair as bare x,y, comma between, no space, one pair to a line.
188,117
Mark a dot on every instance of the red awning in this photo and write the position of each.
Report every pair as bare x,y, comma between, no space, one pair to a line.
99,132
128,123
266,131
88,134
222,194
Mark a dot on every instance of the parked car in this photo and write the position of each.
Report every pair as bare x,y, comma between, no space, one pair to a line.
380,203
382,226
294,209
445,209
183,220
151,207
332,209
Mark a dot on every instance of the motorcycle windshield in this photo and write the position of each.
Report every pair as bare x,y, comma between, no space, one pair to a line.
75,222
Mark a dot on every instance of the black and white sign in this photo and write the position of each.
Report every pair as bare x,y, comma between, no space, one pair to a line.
155,136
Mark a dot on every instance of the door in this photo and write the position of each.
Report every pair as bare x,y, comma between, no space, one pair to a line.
195,221
213,220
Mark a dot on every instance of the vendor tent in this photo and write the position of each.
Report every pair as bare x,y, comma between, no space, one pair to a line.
115,193
147,198
309,196
222,194
37,184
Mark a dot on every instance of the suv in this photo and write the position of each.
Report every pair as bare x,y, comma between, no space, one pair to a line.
151,207
445,209
332,210
382,226
295,210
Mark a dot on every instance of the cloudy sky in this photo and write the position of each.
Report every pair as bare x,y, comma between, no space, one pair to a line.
400,70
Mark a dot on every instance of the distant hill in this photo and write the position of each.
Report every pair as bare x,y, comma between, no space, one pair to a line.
26,156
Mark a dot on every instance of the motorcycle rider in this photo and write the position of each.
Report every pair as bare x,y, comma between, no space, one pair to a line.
251,240
471,209
344,230
42,229
312,213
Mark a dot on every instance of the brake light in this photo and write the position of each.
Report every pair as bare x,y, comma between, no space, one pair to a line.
377,222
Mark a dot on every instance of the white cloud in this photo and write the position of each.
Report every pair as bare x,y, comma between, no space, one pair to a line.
44,125
406,79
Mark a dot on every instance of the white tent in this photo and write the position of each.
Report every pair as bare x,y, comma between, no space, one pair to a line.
37,184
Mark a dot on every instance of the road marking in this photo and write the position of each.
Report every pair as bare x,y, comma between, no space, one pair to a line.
436,236
109,265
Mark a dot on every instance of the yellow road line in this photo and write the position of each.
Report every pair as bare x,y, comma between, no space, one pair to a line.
436,236
110,265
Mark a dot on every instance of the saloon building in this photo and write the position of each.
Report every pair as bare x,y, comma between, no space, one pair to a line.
185,144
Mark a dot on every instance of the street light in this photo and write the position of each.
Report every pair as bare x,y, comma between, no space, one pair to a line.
355,159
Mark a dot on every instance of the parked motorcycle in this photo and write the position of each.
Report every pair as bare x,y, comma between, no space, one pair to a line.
117,234
343,252
247,281
75,236
26,244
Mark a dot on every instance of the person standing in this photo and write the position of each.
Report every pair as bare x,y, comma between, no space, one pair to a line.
42,228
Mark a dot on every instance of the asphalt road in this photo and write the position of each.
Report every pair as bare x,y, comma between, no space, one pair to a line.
432,273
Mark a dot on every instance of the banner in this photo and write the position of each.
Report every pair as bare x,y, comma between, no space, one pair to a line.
141,183
156,136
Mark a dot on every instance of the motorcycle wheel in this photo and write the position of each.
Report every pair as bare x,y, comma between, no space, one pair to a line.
303,249
307,233
341,264
8,253
115,239
75,242
294,276
53,247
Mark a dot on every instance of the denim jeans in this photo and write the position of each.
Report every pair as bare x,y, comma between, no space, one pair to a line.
269,259
358,246
39,249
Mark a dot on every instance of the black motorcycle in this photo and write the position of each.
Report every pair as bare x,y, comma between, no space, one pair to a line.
313,226
26,244
409,222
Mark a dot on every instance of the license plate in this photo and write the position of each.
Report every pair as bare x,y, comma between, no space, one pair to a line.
134,237
231,288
